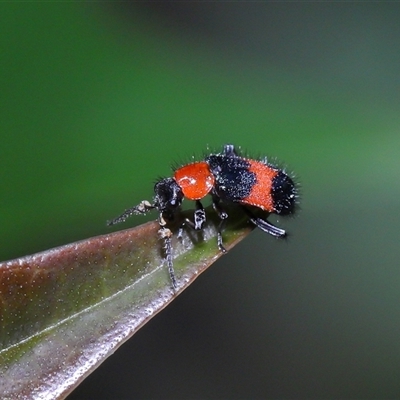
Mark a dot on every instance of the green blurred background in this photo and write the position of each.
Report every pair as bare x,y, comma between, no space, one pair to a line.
99,99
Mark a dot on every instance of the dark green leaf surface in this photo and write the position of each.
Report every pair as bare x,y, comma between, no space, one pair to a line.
63,311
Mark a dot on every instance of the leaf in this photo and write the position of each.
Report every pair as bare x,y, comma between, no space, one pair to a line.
65,310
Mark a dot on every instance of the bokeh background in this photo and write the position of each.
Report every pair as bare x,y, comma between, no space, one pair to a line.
97,101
